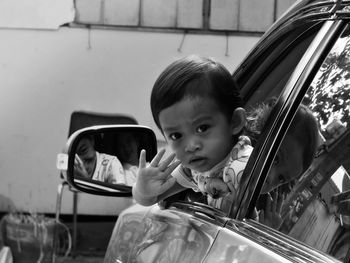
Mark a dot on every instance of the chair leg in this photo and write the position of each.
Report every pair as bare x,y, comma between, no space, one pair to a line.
75,222
59,199
57,218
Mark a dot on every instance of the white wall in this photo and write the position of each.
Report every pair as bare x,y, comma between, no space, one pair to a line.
46,75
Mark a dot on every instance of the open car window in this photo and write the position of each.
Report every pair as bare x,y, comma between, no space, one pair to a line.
305,194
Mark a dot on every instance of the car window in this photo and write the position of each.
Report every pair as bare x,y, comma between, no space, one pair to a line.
263,75
272,66
305,194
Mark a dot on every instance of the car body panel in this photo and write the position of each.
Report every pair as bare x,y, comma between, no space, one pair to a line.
152,234
233,245
282,244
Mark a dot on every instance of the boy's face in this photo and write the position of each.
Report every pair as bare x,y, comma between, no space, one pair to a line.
288,164
128,147
198,132
87,154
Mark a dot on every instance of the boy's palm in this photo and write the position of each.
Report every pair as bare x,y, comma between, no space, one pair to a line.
155,178
271,215
79,168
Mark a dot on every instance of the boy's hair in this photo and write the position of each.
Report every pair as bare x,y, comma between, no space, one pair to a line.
304,127
208,78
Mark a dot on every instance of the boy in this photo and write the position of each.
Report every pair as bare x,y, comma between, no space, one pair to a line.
293,158
91,164
197,106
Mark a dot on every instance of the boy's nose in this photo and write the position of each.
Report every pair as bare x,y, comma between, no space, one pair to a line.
192,145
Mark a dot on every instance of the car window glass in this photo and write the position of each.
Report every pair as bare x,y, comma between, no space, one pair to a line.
271,69
305,194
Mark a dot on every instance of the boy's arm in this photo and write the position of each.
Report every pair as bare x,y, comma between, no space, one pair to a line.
151,200
141,199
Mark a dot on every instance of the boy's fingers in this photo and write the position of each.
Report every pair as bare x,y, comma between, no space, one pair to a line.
274,201
255,214
172,167
169,177
163,166
77,159
157,158
164,175
269,203
280,203
261,216
167,184
78,164
142,161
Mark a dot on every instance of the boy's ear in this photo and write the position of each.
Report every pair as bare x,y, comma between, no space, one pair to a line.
238,120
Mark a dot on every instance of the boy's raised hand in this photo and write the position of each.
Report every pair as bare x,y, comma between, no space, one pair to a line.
271,215
155,178
79,168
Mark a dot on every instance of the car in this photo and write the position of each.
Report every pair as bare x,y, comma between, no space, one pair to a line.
302,61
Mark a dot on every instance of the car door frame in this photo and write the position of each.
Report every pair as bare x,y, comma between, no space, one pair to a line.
281,117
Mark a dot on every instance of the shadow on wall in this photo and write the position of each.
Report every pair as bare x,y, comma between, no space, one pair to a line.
6,204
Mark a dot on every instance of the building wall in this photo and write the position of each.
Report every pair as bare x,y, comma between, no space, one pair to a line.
47,74
228,15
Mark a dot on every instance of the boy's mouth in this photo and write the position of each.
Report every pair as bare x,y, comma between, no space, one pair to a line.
197,161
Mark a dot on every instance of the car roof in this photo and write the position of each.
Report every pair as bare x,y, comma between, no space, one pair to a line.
316,10
300,13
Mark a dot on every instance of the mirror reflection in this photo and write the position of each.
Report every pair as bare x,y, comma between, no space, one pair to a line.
110,157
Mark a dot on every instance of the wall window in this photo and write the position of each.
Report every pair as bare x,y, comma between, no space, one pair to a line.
197,15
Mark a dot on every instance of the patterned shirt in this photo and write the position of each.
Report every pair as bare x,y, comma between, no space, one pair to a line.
230,170
109,169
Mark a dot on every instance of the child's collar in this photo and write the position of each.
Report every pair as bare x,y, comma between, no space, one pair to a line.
240,142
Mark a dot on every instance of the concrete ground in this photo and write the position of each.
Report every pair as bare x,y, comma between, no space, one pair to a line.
89,247
80,259
91,243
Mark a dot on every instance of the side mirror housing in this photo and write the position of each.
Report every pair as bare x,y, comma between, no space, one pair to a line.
103,160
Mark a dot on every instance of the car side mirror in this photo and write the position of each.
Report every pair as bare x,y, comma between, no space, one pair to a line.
103,160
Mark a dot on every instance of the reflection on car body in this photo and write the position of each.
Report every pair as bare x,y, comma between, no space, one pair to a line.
302,60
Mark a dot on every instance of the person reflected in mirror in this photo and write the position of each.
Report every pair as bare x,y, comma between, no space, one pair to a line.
127,148
127,151
91,164
293,158
197,107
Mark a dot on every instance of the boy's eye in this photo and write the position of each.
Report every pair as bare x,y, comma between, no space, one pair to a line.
203,128
174,136
88,160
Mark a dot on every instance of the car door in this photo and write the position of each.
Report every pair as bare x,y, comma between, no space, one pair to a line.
304,64
184,232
